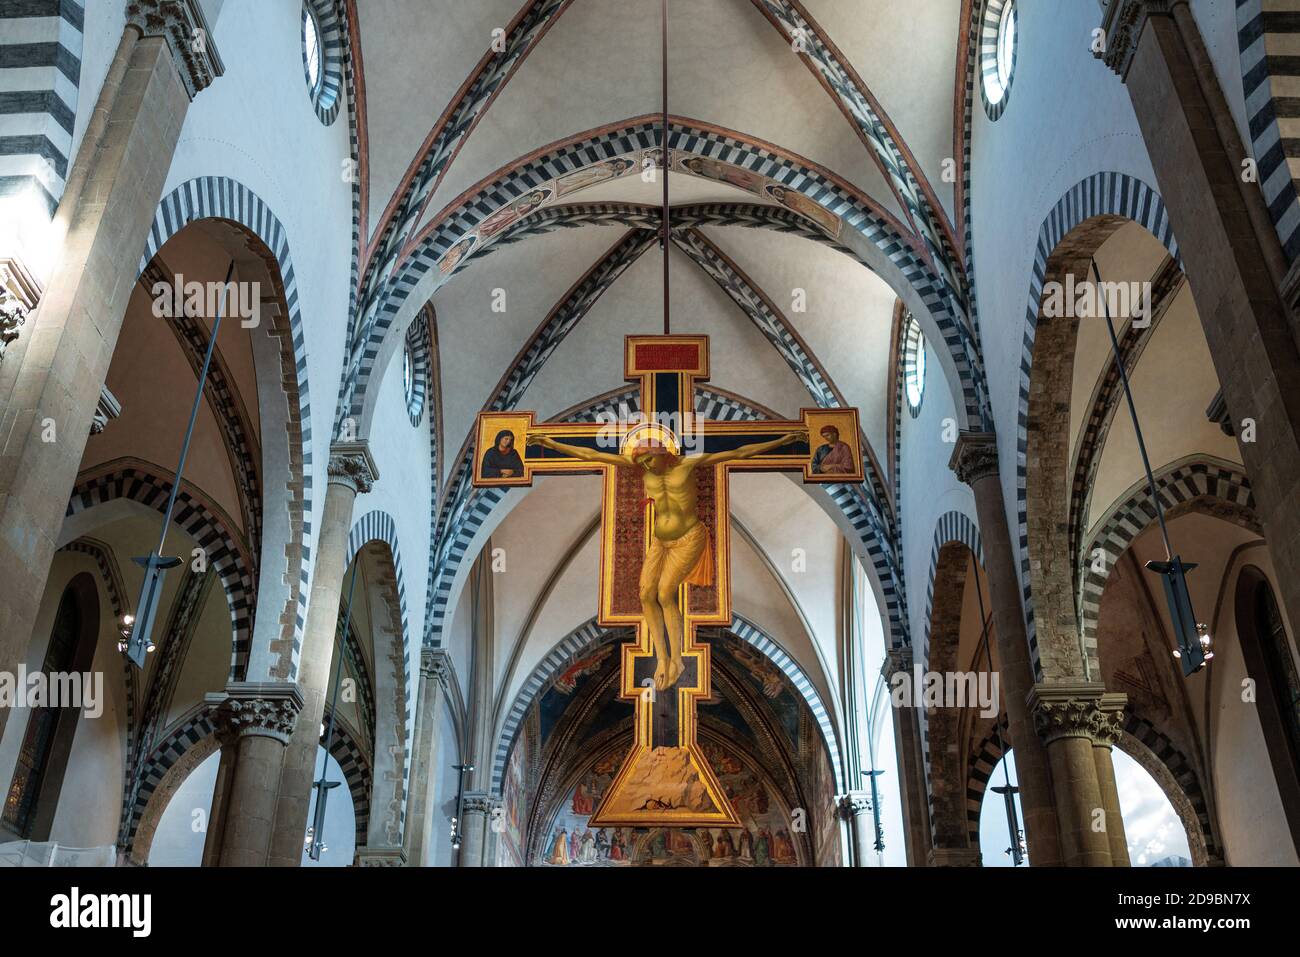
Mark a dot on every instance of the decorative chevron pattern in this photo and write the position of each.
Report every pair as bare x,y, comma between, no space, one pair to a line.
221,544
327,95
378,526
40,73
1176,485
1115,195
455,229
1267,33
876,131
218,197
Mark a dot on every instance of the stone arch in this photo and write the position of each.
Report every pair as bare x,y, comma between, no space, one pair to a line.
956,544
1160,758
346,749
449,240
169,762
379,527
199,518
228,200
590,634
979,770
1204,484
1088,214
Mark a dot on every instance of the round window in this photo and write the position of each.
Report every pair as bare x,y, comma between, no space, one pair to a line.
997,54
913,364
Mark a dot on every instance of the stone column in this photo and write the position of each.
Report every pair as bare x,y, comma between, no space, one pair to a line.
52,373
1070,717
1106,735
855,807
911,764
975,460
1230,251
421,815
255,721
476,847
351,471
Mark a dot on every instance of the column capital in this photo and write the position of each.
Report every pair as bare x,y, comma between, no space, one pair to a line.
352,465
1077,710
897,660
479,802
381,857
853,803
265,708
182,24
19,294
435,663
975,457
1122,23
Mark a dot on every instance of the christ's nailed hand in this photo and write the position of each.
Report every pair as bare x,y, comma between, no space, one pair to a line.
792,437
536,440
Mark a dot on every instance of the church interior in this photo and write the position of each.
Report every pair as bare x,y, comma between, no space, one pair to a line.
618,433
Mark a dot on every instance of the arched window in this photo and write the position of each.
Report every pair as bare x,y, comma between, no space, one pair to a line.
33,794
1266,650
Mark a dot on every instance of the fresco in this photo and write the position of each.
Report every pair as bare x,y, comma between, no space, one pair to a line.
510,839
763,840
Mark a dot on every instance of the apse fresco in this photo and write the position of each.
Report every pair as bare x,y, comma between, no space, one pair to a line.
510,842
764,840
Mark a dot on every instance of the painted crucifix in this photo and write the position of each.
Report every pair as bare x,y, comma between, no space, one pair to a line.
665,558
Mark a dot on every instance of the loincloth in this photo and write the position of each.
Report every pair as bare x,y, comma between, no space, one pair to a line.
692,551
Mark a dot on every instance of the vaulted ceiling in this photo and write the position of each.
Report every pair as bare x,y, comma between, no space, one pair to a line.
442,114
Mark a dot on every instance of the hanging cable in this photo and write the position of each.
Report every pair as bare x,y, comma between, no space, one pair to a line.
663,9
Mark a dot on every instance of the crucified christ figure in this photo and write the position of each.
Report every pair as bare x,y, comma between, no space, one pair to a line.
680,551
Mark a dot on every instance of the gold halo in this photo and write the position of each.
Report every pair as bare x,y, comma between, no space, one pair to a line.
651,434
